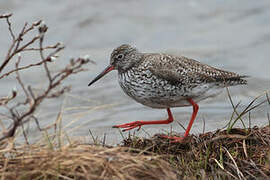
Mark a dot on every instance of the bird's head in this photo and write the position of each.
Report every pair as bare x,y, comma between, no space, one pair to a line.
122,59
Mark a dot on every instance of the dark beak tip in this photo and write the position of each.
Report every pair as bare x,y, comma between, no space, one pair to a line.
108,69
92,82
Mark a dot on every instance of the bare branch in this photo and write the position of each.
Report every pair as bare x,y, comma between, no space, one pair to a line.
42,30
27,44
60,92
20,81
22,68
72,68
5,100
25,134
10,29
15,45
267,97
11,131
31,101
5,15
20,37
47,47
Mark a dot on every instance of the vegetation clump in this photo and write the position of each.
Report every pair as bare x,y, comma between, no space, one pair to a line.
81,161
241,154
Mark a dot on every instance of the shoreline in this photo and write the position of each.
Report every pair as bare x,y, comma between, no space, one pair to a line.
240,154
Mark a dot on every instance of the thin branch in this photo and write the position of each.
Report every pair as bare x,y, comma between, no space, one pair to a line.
267,97
72,68
5,15
47,47
10,29
22,68
18,77
11,131
60,92
20,39
14,47
42,30
18,114
25,134
5,100
38,125
27,44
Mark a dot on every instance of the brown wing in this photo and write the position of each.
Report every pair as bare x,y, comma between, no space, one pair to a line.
182,70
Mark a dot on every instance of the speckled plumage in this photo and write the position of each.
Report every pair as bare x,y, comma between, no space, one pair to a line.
163,81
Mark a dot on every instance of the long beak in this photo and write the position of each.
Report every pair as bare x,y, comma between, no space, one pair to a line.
106,70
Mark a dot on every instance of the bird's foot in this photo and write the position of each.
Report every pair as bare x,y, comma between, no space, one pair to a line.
129,126
174,139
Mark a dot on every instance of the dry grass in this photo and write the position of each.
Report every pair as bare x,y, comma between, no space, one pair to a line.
241,154
79,161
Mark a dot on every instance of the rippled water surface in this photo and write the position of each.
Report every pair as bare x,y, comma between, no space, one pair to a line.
233,35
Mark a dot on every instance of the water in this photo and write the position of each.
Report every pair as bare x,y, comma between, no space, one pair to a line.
233,35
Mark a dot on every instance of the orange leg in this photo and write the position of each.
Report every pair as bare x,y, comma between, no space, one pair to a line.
195,111
132,125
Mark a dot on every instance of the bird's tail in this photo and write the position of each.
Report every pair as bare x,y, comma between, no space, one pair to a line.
233,80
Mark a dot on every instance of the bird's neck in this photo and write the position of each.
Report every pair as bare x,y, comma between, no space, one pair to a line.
134,61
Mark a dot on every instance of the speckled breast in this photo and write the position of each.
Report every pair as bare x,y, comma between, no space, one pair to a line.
149,90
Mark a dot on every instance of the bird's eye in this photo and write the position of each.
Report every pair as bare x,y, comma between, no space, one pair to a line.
120,56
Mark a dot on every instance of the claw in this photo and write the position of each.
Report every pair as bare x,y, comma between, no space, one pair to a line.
127,129
139,124
129,126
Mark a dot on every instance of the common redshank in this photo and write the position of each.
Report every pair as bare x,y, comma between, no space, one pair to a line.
164,81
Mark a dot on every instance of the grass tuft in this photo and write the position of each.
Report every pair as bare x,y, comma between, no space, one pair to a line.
240,154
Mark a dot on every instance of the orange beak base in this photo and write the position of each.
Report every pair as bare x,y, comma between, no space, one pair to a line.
106,70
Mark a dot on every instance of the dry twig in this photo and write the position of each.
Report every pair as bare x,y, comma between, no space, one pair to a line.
31,100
